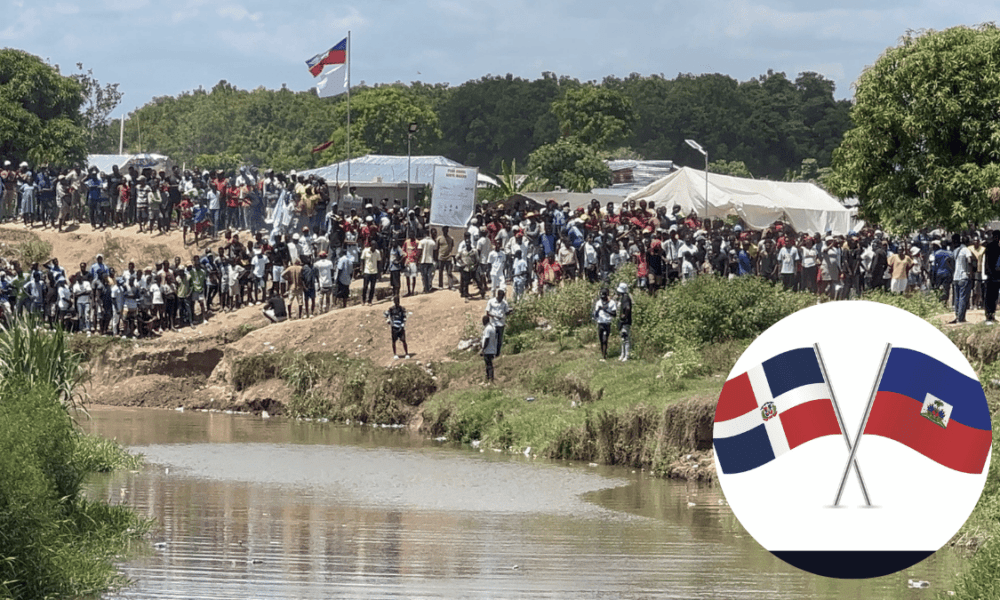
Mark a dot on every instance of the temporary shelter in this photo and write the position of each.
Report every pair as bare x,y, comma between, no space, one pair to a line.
757,201
104,162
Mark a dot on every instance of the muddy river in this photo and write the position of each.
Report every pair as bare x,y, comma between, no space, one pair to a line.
254,508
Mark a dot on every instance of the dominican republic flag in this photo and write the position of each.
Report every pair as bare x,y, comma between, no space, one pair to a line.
334,56
771,409
935,410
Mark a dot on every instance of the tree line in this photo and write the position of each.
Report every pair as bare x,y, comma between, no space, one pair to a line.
559,127
771,123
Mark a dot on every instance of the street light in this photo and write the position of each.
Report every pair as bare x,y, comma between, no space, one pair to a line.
409,138
698,147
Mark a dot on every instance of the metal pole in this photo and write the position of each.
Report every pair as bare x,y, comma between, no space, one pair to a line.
706,186
409,138
121,135
349,114
840,421
864,421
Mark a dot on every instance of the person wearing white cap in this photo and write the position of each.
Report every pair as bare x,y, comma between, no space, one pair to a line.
625,320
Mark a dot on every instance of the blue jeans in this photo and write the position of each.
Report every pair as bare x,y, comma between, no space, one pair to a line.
963,289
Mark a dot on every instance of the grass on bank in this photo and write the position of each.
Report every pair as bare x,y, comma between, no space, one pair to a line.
53,542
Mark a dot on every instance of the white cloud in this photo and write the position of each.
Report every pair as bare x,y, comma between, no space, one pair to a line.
237,12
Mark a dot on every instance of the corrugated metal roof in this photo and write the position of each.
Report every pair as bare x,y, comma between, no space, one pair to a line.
391,169
640,173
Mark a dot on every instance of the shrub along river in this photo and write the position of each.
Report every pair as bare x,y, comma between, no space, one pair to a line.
255,508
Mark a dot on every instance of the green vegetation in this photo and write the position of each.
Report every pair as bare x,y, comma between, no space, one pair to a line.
331,385
41,111
925,139
54,543
772,123
39,356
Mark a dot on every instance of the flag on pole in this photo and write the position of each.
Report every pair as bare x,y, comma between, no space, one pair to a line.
933,409
771,409
334,82
334,56
322,146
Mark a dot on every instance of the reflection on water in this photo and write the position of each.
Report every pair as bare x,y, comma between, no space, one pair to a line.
250,508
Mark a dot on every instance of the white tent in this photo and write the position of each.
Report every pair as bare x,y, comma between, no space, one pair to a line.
104,162
757,201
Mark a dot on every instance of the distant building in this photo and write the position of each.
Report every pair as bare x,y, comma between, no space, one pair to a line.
629,176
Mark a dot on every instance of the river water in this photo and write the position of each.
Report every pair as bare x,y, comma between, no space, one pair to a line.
255,508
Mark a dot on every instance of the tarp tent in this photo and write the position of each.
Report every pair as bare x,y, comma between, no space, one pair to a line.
104,162
757,201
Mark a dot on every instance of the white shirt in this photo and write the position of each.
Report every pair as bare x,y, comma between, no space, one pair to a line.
497,310
259,262
604,312
497,260
324,272
787,257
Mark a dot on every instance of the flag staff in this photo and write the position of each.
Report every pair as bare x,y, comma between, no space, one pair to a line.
840,420
349,113
864,421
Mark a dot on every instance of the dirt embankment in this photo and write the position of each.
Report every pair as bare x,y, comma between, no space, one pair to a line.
339,364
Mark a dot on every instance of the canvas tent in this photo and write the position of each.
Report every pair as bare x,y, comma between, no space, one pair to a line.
104,162
757,201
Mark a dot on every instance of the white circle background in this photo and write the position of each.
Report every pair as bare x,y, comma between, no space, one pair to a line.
787,504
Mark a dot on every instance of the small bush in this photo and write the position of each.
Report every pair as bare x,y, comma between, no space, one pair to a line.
255,368
923,304
34,251
94,454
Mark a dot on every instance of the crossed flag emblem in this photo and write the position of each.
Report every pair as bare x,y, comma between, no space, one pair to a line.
916,400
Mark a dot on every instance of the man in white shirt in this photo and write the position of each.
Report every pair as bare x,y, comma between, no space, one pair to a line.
489,347
497,260
605,310
497,309
324,279
426,247
259,265
788,258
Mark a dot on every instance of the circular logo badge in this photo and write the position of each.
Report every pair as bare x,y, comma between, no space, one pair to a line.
841,428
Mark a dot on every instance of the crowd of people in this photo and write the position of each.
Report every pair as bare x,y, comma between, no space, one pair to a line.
282,241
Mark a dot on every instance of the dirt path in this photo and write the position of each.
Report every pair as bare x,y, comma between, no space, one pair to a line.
434,327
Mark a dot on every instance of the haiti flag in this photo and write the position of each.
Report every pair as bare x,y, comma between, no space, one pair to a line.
933,409
771,409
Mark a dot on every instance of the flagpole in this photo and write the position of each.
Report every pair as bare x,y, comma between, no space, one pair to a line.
864,421
840,420
349,113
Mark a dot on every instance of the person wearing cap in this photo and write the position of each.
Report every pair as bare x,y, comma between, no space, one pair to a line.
624,320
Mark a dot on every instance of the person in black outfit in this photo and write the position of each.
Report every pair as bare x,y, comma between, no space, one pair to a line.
992,266
275,309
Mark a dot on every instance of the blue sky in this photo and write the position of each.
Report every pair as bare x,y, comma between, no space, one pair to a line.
164,48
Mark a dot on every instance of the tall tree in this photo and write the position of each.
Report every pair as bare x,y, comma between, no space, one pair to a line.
926,136
570,164
99,101
380,118
39,111
597,116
